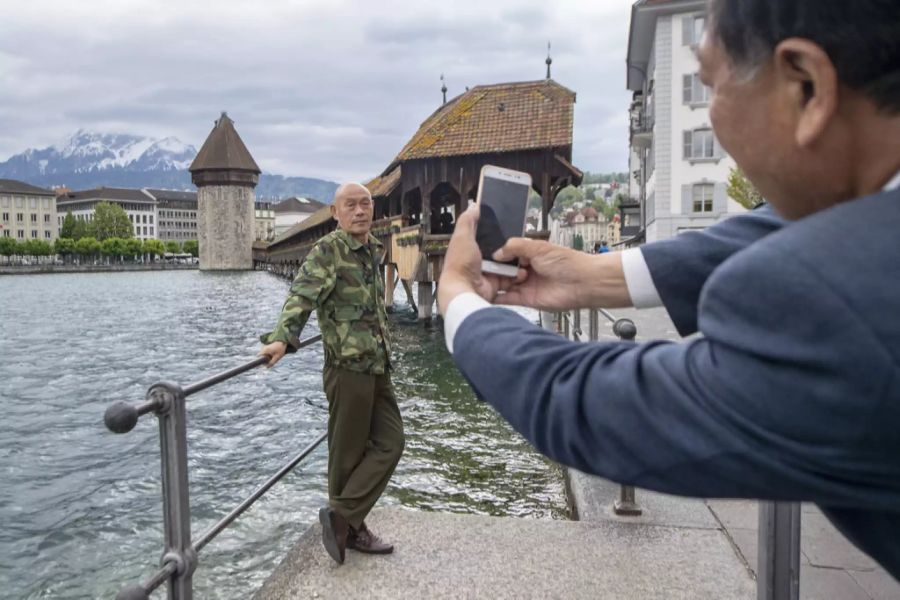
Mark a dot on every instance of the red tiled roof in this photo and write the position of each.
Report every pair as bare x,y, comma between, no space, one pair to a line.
496,118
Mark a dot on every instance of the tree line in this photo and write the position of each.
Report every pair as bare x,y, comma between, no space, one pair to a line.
108,236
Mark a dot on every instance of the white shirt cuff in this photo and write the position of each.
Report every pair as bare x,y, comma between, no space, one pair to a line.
638,280
461,307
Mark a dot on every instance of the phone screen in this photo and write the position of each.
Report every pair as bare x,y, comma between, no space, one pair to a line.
503,205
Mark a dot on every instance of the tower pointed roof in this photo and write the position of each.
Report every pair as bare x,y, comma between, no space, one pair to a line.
224,152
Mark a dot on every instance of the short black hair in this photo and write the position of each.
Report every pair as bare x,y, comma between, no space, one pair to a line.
861,37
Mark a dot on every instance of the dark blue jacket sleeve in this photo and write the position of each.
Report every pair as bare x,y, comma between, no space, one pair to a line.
680,266
756,408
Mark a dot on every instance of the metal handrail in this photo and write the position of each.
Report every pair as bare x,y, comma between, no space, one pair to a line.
626,331
167,400
779,523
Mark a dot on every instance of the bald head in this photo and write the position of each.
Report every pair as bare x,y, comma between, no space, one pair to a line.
353,209
350,189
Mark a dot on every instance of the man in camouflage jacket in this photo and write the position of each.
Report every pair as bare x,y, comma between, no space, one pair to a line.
341,281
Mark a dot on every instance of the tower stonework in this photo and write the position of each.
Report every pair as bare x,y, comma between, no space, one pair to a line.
226,176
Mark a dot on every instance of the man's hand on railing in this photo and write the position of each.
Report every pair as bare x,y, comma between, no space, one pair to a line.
275,351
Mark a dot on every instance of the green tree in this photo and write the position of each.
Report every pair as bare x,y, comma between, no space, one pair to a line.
565,199
36,248
742,190
133,248
69,226
82,229
154,248
192,247
570,195
578,242
87,248
111,221
589,194
611,207
65,247
7,247
113,247
173,247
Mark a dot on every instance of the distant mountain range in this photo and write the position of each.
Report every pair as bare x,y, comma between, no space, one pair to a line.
89,160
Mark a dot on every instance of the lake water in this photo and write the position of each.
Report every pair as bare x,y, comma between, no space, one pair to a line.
80,508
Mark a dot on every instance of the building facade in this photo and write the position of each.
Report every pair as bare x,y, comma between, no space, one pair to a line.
264,222
139,205
27,212
678,169
177,215
294,210
586,222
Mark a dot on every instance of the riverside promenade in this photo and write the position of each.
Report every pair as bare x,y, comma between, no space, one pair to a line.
677,548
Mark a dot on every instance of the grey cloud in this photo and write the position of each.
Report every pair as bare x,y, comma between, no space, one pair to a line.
314,89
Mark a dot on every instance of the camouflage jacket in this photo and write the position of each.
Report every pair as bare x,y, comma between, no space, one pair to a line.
340,280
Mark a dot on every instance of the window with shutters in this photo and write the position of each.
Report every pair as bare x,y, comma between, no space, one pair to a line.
692,28
702,197
700,145
694,93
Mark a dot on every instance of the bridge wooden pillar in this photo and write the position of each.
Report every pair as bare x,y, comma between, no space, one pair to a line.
426,301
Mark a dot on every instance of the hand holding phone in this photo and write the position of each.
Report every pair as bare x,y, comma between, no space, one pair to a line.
503,203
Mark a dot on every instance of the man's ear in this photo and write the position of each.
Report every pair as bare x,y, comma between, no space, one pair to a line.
810,84
333,210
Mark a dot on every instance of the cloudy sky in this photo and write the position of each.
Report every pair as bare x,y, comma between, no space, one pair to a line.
318,88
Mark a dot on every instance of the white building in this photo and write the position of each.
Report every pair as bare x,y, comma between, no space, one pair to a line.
585,222
177,215
139,205
27,212
679,171
292,211
264,222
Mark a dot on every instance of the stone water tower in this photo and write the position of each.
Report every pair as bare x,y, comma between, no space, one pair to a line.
225,175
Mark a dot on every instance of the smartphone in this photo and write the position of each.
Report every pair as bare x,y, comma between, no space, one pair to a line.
503,203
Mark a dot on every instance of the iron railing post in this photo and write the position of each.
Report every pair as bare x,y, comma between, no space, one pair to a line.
778,556
593,325
176,502
626,505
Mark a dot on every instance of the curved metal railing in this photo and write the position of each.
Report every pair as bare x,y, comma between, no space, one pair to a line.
180,557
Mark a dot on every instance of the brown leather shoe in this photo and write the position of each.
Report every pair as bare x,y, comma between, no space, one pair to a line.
334,533
363,540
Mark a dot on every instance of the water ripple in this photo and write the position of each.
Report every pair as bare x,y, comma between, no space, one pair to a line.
80,513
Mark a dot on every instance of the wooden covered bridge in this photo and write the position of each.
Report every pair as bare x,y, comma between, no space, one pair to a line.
525,126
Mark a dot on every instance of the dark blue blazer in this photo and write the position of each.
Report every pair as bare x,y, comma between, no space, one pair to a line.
792,393
681,265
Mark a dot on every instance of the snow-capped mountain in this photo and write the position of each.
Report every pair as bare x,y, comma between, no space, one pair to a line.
86,152
87,160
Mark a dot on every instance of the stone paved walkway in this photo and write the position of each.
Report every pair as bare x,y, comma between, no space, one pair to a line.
831,568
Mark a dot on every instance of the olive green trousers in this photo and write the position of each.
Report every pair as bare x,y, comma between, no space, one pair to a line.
365,440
